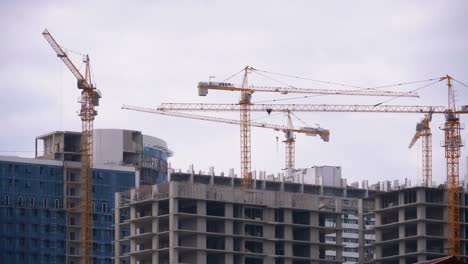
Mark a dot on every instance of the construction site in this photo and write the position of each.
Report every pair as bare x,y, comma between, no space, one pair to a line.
108,194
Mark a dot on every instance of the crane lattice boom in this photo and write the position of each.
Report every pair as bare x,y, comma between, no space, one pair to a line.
204,86
64,57
304,108
423,131
323,133
288,130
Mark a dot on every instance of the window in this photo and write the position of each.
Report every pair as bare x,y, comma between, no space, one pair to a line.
31,201
279,215
57,203
350,230
45,203
20,201
93,205
104,207
350,221
7,200
350,240
72,236
348,249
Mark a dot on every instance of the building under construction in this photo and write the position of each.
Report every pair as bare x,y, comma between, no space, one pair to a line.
203,218
411,225
35,225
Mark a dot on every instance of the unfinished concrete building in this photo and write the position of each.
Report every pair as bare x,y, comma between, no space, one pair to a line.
411,225
212,219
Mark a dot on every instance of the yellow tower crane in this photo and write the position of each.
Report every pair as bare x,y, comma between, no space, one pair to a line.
89,100
245,105
452,142
423,131
288,130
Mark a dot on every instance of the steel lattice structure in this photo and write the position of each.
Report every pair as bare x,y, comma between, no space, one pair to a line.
89,100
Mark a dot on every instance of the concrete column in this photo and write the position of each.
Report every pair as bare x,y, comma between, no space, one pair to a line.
132,233
401,246
287,232
314,235
201,227
173,236
401,199
155,230
339,234
401,232
361,230
378,252
117,224
228,229
421,248
229,258
402,260
421,195
421,225
269,233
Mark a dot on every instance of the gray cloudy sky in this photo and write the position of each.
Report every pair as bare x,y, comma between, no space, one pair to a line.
148,52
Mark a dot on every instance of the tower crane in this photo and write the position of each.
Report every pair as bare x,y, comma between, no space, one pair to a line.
245,108
288,130
452,143
452,138
423,131
89,100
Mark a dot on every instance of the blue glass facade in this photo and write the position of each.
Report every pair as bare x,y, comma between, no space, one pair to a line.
32,216
154,166
106,184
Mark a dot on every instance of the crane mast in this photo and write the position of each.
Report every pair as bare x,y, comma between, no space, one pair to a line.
452,143
87,114
423,131
88,102
245,140
290,148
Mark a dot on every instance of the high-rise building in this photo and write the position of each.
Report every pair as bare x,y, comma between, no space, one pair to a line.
35,225
411,225
202,218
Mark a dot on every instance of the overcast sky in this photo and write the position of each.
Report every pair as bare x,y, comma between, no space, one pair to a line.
148,52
